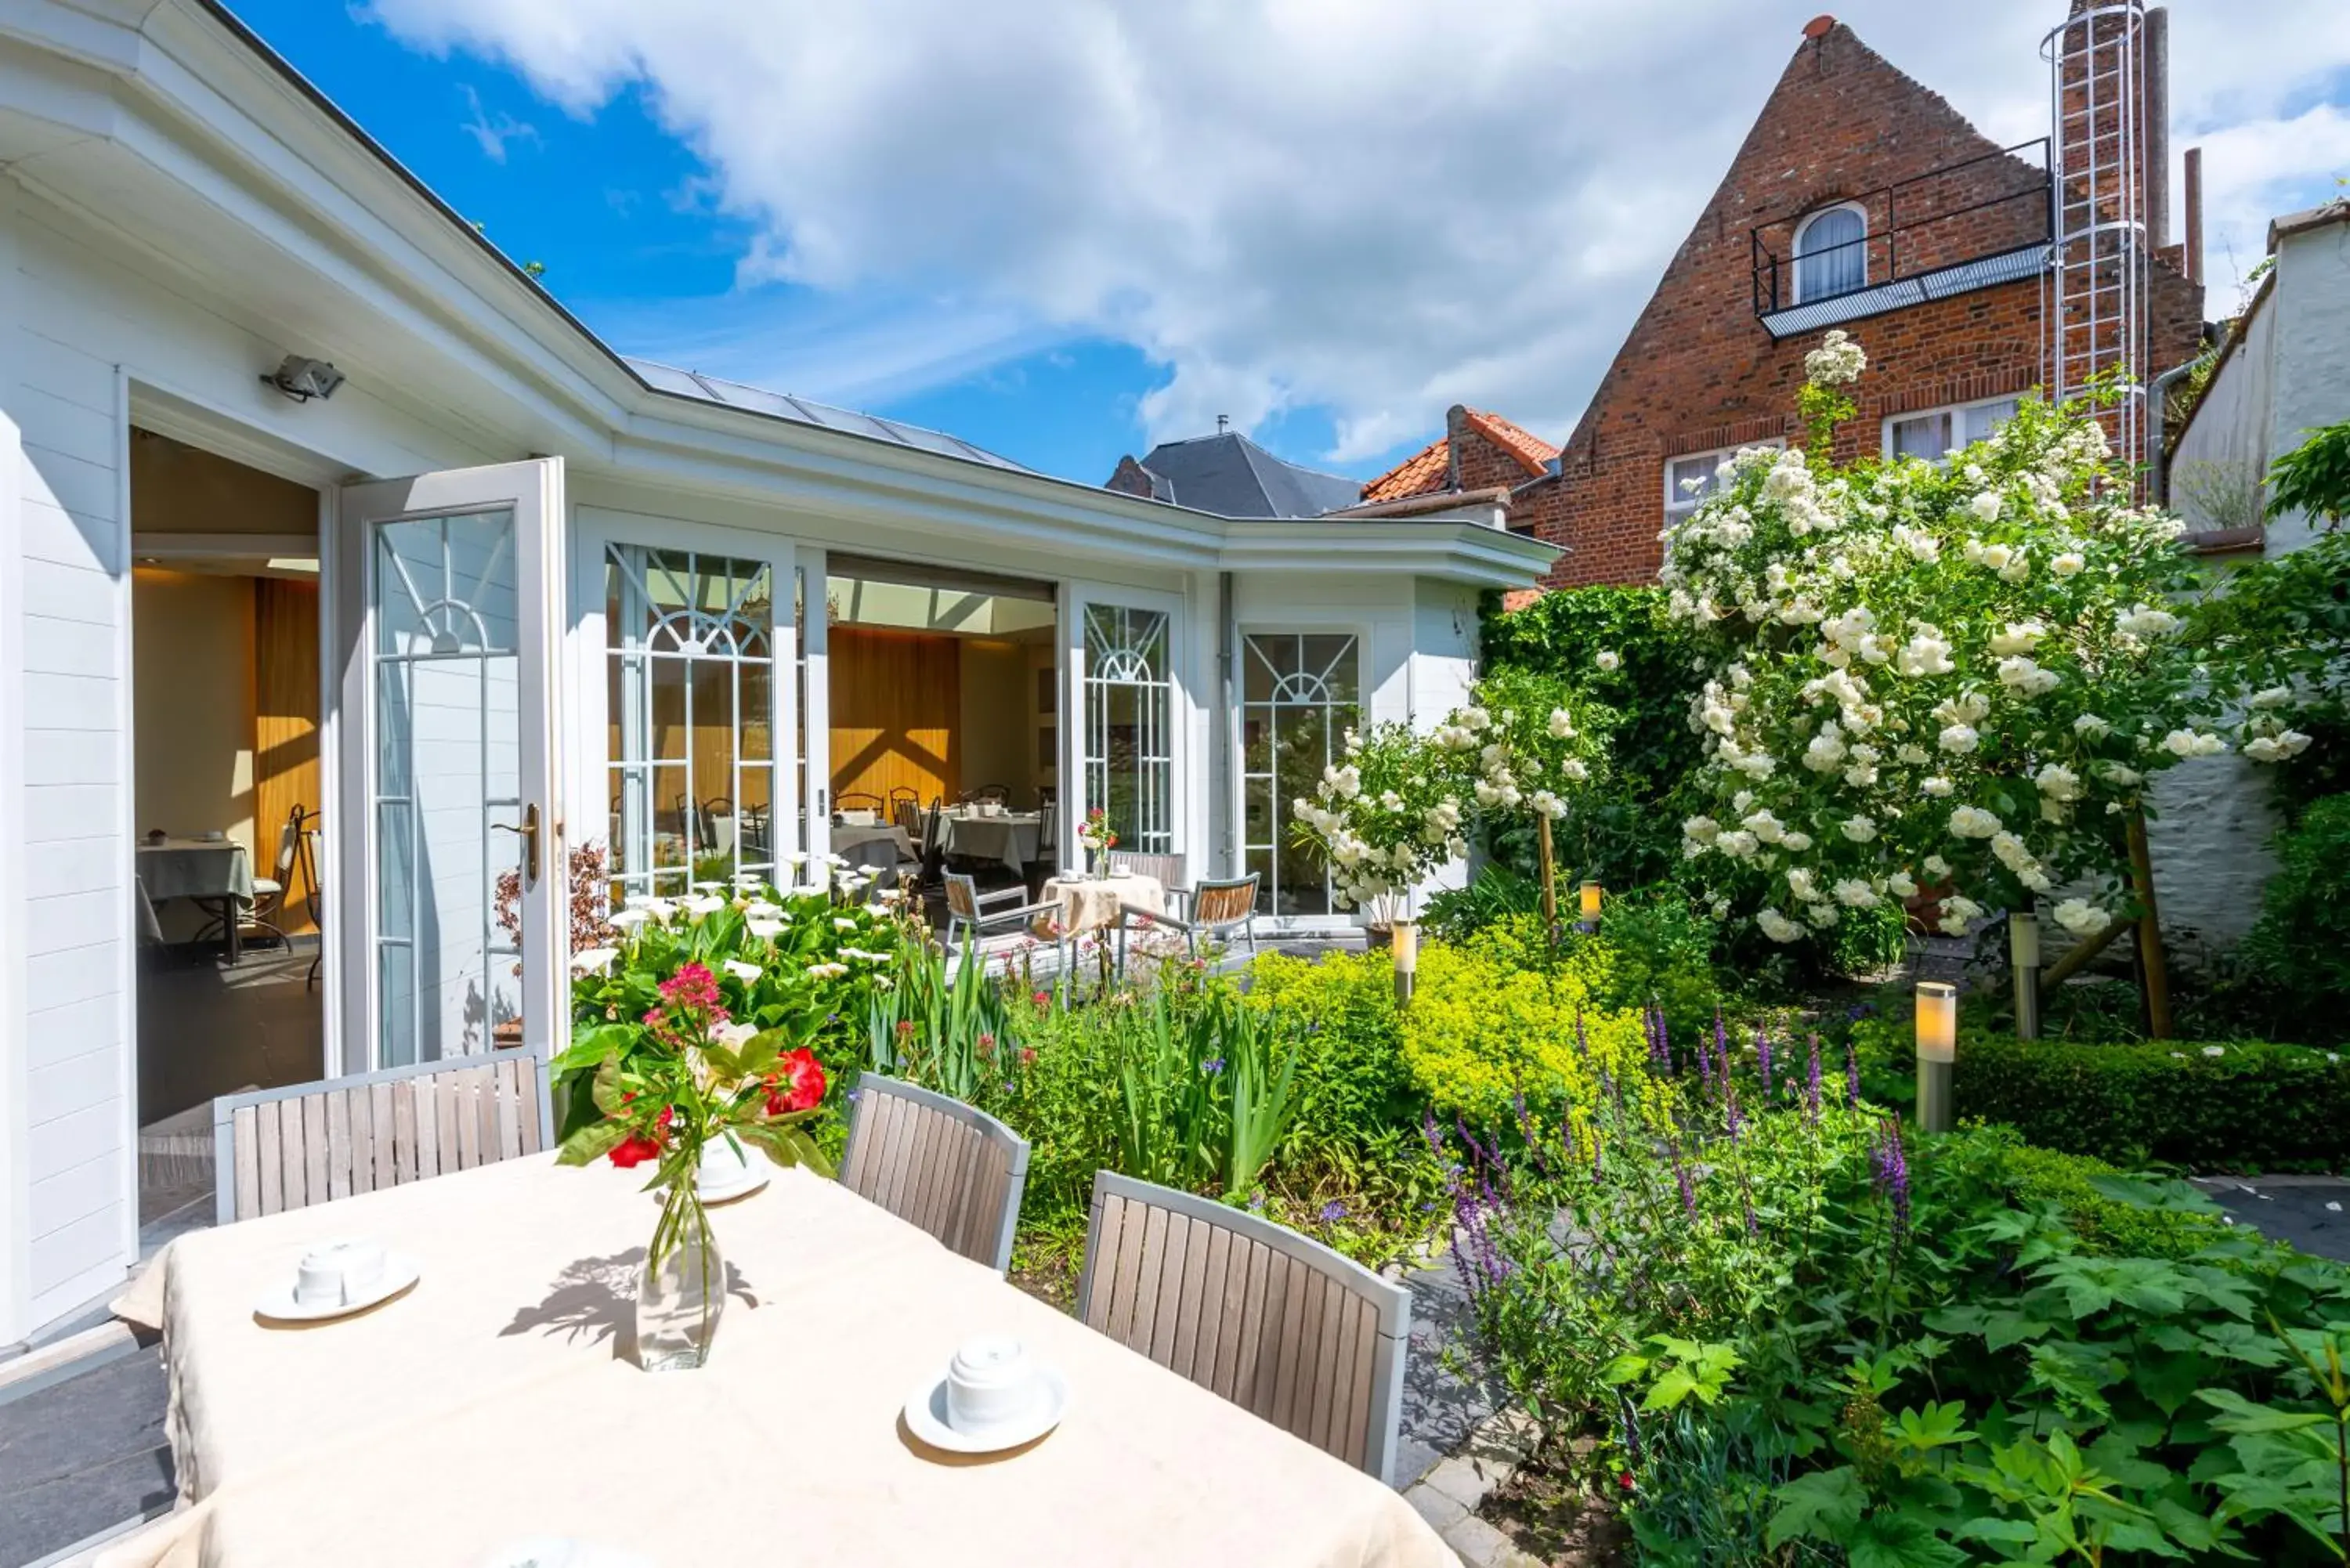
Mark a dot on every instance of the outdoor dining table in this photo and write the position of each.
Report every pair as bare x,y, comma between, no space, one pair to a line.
874,845
496,1401
207,869
1011,836
1090,903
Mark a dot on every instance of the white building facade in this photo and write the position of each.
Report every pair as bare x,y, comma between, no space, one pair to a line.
517,535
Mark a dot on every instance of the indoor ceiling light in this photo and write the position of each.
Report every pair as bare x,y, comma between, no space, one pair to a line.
302,379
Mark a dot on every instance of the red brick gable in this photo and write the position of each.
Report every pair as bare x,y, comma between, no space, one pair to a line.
1698,369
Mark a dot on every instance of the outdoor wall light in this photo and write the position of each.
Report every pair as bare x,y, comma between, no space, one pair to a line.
1937,1051
302,379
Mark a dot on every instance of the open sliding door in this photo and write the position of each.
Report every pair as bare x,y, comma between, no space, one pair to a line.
451,908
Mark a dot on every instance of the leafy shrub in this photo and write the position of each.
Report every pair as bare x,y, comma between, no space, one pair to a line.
2300,946
1352,1083
2242,1106
1490,1021
1498,891
2111,1213
1651,949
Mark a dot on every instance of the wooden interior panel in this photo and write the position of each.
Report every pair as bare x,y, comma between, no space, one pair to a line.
285,724
897,704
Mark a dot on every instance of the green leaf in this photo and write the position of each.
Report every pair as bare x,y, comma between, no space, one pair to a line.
591,1143
1934,1427
2238,1414
1824,1505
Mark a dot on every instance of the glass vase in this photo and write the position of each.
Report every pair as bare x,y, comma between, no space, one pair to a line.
681,1288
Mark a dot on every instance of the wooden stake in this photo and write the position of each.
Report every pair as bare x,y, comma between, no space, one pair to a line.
1549,878
2078,956
2149,933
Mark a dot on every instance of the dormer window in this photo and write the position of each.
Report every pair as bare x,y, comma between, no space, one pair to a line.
1831,252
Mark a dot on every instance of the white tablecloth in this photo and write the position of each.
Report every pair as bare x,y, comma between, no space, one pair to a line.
494,1402
1011,838
196,868
850,843
1089,903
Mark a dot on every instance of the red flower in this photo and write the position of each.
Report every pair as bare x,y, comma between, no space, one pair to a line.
634,1150
798,1083
1027,1055
1624,1480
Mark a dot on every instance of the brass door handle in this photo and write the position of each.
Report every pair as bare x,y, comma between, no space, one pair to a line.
528,832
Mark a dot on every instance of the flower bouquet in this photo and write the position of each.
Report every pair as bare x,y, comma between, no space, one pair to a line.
694,1040
1098,837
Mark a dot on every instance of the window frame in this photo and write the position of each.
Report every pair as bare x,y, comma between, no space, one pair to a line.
1949,412
1678,505
1795,251
1272,710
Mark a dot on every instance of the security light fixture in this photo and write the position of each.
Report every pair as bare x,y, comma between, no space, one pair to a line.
302,379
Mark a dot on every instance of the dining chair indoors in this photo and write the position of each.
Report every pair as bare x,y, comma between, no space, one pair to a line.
1253,1311
939,1165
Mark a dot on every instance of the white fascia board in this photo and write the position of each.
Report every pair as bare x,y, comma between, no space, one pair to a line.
1451,551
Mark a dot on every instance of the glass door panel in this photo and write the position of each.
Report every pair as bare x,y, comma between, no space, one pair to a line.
450,931
1129,735
1300,693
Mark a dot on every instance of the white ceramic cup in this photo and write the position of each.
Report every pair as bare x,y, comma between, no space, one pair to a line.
336,1273
992,1383
723,1167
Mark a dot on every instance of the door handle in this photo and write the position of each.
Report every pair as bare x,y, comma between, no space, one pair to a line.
528,833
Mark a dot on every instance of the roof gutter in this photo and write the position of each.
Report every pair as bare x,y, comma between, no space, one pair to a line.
1434,501
2157,463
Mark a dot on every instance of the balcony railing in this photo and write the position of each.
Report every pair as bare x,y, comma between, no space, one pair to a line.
1965,225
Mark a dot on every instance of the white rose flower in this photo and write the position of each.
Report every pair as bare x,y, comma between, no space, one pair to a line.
2082,917
1737,844
1927,652
1986,505
2058,781
1549,805
2092,726
2193,743
1935,866
2121,777
1777,926
2019,673
1855,894
2146,620
1860,829
1912,753
1700,829
1973,822
1562,728
1936,787
1796,841
1800,883
1957,911
1765,827
2272,696
1959,738
1997,557
2021,637
1608,659
1903,884
2067,565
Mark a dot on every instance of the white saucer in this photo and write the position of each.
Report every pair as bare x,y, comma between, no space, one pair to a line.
754,1178
400,1271
926,1417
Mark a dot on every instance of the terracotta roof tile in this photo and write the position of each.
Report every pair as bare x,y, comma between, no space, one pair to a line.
1430,468
1426,468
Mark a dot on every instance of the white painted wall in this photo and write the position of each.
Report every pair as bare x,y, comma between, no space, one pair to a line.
2291,374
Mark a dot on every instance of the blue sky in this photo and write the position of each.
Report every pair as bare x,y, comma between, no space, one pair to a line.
1064,228
619,211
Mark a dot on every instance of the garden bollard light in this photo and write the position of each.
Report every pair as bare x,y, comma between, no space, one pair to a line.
1405,947
1590,921
1937,1050
2023,958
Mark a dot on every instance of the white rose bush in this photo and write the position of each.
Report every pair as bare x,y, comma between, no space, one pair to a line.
1956,676
1401,804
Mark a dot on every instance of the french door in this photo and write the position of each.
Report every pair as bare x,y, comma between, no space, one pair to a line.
452,905
1127,743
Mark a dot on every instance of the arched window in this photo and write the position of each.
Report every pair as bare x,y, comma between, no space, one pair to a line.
1831,253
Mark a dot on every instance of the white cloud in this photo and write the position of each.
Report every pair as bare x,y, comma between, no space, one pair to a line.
492,133
1377,207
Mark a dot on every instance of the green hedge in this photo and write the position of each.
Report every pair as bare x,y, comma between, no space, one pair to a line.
2254,1106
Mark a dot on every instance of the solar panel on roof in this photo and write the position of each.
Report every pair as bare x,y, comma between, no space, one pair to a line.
801,411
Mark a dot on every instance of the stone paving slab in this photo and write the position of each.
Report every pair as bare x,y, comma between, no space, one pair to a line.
2313,1212
81,1456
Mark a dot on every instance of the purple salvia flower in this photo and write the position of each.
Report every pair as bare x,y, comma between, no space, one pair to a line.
1851,1078
1428,1130
1582,1045
1721,1042
1763,1060
1704,1065
1682,1175
1889,1170
1812,1083
1664,1040
1730,1102
1753,1227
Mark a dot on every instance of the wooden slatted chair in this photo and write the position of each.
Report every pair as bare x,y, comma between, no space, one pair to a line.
1282,1326
276,1150
936,1163
1167,869
1219,907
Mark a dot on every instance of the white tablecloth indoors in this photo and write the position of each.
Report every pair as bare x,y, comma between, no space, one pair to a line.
494,1402
876,844
196,868
1089,903
1011,837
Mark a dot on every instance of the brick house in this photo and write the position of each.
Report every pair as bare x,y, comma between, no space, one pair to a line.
1860,199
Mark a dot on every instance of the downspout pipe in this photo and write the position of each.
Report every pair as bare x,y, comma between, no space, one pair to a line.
2157,466
1227,638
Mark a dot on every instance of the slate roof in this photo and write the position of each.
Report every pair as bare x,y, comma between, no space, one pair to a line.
1232,476
1430,468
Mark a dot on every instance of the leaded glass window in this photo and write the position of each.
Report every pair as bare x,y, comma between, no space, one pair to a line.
1300,693
690,703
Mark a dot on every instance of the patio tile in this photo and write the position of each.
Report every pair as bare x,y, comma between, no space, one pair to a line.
83,1455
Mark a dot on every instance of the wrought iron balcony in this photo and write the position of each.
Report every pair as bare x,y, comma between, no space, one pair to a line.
1967,225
